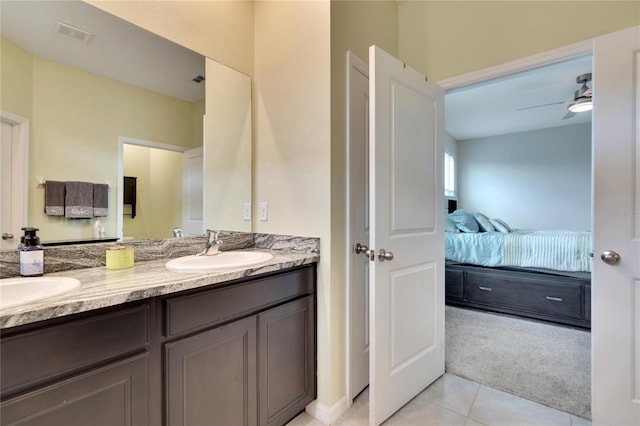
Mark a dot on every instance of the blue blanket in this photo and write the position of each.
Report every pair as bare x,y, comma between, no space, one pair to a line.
558,250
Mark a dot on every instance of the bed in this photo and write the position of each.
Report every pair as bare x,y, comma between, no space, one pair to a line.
541,274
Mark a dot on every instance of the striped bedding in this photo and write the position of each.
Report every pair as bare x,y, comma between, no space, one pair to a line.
557,250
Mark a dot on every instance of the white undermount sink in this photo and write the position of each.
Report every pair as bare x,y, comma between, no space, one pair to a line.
219,262
18,291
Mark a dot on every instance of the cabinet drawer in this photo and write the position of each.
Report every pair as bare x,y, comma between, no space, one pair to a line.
40,355
454,283
210,307
552,298
114,395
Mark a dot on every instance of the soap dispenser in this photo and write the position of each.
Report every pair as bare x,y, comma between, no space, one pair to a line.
98,229
31,254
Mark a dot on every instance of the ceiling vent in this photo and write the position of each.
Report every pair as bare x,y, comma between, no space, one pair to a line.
72,32
198,79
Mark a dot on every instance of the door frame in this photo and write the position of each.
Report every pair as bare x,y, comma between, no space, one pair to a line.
122,141
506,69
20,169
354,62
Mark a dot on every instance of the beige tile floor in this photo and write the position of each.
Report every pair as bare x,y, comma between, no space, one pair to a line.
454,401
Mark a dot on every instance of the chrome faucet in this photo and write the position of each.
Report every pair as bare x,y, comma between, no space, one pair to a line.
213,244
177,232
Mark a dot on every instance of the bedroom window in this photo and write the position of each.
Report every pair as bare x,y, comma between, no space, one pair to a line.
449,175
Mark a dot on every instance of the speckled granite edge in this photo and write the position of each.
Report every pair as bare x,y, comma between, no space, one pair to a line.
80,256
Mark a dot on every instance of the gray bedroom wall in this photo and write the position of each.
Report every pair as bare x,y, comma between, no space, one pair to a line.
538,179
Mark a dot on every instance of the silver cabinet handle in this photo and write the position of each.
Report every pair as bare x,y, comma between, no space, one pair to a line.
610,257
7,236
485,288
555,299
385,255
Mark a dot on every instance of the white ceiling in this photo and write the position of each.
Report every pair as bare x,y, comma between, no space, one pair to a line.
116,48
491,108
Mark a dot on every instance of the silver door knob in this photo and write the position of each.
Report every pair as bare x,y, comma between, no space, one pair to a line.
610,257
362,249
385,255
7,236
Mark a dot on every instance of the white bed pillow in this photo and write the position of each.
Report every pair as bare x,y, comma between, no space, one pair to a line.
484,222
500,225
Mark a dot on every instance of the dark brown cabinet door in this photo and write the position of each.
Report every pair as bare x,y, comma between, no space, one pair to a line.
211,377
114,395
286,361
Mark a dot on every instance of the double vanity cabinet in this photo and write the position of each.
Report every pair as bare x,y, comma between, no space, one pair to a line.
236,353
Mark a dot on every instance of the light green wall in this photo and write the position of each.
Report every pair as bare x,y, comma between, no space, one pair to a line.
16,75
444,39
165,192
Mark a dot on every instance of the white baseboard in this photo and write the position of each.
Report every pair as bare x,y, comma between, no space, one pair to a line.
327,415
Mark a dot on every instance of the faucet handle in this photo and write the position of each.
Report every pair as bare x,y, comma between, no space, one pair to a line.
212,243
212,235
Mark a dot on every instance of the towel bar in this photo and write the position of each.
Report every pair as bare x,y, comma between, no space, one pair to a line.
41,182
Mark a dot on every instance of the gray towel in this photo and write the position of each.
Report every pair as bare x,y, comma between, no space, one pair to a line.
78,200
54,198
100,199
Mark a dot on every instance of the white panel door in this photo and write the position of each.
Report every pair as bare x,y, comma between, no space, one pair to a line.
406,217
358,159
192,192
14,160
616,225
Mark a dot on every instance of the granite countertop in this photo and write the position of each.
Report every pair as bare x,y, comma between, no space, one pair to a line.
101,287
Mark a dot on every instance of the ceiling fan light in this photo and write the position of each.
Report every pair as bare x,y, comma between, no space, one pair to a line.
581,105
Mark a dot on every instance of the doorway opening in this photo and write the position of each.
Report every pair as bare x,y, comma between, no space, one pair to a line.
159,171
527,162
14,172
357,309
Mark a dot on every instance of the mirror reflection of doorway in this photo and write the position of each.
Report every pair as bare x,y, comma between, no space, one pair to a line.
14,141
160,189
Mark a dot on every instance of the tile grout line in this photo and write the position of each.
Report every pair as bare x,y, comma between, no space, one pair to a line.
472,404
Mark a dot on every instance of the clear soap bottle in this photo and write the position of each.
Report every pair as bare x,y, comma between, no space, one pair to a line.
31,254
97,229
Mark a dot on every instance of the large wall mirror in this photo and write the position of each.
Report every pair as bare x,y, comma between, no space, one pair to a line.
105,98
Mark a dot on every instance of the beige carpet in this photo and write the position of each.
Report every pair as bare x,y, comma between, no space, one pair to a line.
541,362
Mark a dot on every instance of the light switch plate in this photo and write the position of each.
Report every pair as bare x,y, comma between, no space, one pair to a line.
246,211
264,211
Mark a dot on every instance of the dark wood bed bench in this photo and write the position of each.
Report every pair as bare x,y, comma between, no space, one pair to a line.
556,298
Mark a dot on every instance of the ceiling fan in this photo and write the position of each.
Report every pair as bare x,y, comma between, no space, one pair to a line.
581,101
